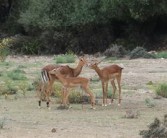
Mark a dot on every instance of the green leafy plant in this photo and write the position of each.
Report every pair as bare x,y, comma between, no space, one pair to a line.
162,90
4,48
66,58
31,47
17,74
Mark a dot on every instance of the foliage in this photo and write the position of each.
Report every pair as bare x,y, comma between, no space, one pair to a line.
4,48
140,52
30,48
149,102
115,51
84,25
157,129
16,74
66,58
75,97
162,54
82,12
162,90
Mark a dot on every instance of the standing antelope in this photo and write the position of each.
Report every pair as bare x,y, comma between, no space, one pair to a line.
107,73
48,79
70,82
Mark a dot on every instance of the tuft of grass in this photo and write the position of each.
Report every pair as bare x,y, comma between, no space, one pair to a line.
162,90
2,123
16,74
149,102
66,58
162,54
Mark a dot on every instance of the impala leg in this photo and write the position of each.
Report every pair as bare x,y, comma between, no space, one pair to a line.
114,90
106,93
103,85
87,90
119,87
66,96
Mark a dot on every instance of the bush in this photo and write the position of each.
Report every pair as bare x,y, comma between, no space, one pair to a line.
17,75
157,129
115,51
4,48
66,58
140,52
161,54
162,90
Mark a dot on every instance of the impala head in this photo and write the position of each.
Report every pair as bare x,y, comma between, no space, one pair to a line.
93,65
82,61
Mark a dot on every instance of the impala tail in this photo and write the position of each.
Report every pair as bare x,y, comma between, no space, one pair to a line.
44,76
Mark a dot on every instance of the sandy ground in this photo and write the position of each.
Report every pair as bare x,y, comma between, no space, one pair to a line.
21,117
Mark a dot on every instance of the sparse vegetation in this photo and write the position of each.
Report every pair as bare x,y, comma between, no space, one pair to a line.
149,102
115,51
66,58
2,123
162,90
140,52
4,48
162,54
157,129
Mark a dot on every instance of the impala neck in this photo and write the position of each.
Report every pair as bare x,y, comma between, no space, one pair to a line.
77,70
97,69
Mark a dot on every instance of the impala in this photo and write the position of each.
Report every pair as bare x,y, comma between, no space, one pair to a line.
70,82
48,79
106,74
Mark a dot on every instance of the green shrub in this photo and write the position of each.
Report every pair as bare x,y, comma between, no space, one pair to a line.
140,52
161,54
4,48
157,129
8,88
162,90
16,75
115,51
75,97
31,47
66,58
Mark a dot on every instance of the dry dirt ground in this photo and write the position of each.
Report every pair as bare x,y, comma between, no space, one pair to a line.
23,119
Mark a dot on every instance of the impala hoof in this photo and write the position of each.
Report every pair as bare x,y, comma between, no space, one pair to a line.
49,108
93,108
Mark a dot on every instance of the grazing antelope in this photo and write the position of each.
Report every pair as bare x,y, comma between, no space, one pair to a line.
70,82
106,74
48,79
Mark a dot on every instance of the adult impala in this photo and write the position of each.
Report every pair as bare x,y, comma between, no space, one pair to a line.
106,74
48,79
70,82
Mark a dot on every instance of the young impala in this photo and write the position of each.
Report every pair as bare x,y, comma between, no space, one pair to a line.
48,79
70,82
106,74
